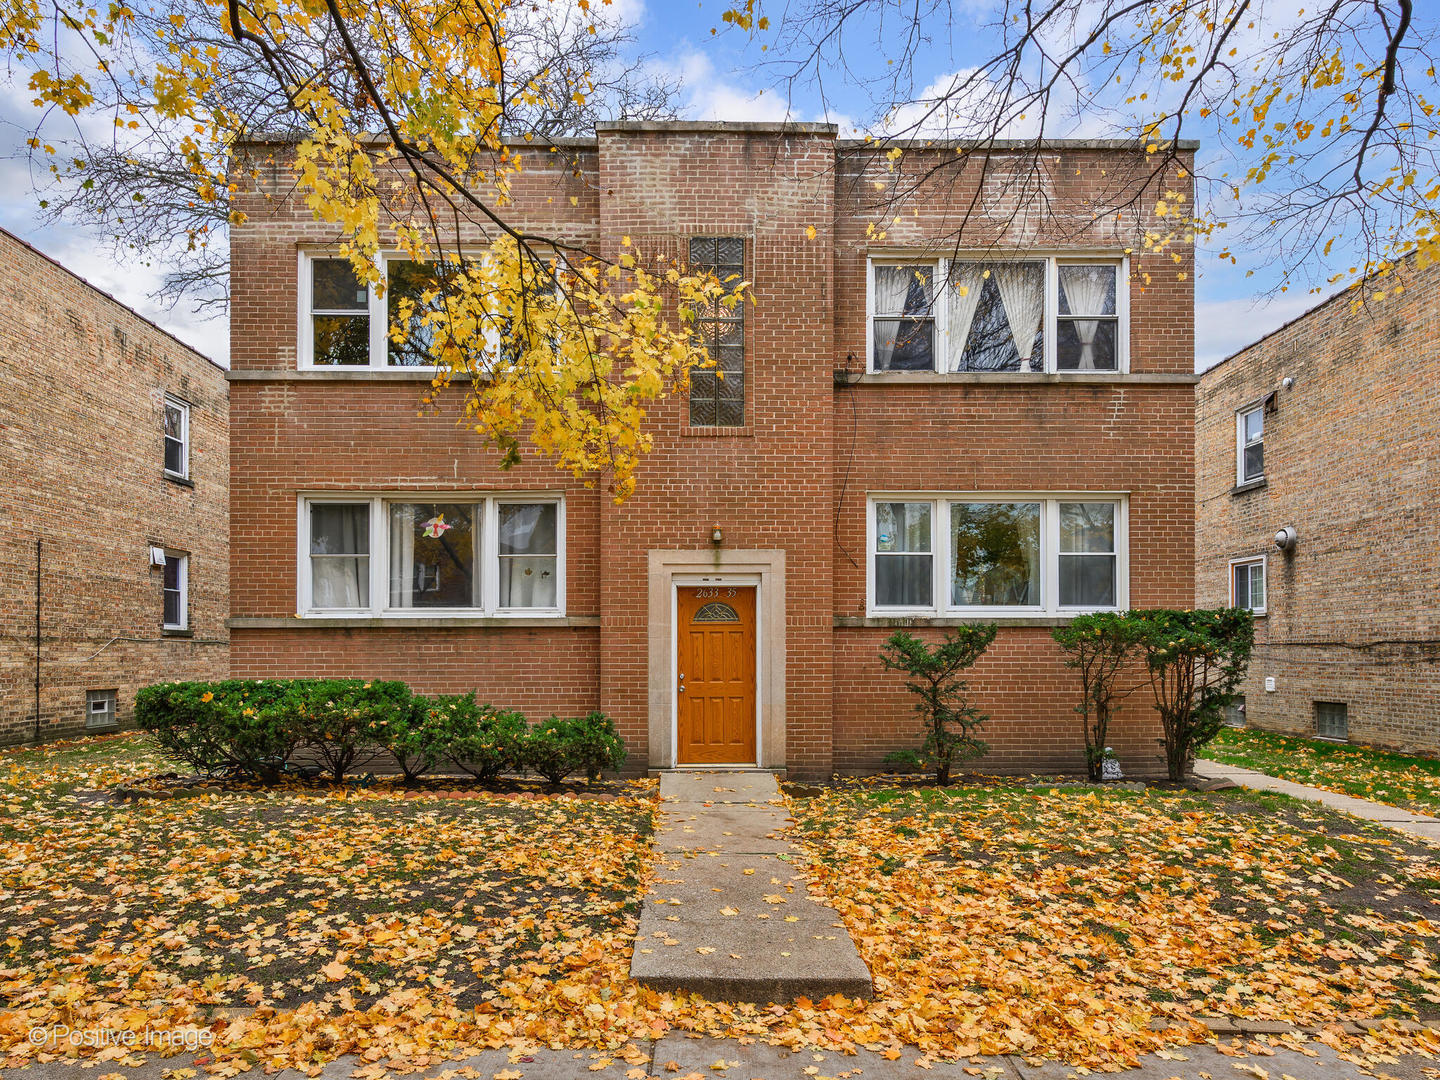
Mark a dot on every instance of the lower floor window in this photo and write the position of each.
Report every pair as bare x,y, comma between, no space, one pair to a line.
1332,720
1247,585
401,556
997,555
175,591
1235,712
99,708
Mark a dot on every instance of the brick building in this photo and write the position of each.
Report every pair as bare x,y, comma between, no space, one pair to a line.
114,474
1329,426
912,434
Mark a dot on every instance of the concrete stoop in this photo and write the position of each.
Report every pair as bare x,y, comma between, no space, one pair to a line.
728,915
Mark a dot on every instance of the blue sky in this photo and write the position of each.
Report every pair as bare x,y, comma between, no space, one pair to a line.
728,75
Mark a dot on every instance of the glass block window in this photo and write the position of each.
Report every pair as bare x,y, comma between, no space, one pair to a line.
1235,712
717,394
99,708
1332,720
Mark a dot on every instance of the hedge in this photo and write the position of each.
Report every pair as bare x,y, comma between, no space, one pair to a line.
255,728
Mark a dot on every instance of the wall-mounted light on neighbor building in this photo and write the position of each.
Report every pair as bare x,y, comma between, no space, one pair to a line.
1287,538
716,536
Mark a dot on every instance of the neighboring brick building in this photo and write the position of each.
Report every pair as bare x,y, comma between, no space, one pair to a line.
1045,467
131,517
1330,426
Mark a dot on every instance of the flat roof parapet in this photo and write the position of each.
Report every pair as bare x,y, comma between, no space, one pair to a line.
757,127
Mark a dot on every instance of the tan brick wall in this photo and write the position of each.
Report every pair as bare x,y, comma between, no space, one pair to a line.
774,484
1354,612
82,380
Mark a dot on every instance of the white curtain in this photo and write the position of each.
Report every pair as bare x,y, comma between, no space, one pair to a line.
1086,289
402,556
967,281
1022,292
340,560
892,286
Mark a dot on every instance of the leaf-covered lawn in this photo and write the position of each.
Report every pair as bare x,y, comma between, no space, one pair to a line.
1403,780
1012,919
301,925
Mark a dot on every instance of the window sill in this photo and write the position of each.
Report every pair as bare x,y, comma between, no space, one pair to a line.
176,631
336,374
1248,486
179,481
410,622
714,431
1006,378
899,622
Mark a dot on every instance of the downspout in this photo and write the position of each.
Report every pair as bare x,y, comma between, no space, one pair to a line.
37,640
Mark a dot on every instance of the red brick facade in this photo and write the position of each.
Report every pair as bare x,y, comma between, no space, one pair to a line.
83,381
788,489
1353,612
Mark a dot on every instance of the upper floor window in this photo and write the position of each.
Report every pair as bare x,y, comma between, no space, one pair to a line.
1250,445
177,438
1040,314
175,591
1247,584
413,555
717,393
996,555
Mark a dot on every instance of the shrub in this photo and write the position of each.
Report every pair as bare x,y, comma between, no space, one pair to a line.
345,721
1098,646
557,747
240,724
478,739
950,720
1196,660
416,739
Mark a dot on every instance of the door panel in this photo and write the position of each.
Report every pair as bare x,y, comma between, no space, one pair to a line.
715,674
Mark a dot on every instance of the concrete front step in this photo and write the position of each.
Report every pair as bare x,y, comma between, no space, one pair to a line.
728,915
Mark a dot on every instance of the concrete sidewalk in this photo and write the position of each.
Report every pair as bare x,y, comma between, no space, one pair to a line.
680,1057
1420,825
728,916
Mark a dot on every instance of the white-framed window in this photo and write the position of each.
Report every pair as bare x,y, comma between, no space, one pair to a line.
345,323
1247,584
417,554
996,555
177,438
1030,313
1250,444
175,591
100,708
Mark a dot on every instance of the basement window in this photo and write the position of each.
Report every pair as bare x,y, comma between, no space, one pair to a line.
1332,720
99,709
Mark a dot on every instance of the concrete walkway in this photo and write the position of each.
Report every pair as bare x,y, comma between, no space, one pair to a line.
680,1057
728,915
1415,824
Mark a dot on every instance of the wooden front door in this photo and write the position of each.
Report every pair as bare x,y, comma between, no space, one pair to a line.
715,675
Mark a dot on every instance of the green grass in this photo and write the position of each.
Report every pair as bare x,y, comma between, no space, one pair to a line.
1403,780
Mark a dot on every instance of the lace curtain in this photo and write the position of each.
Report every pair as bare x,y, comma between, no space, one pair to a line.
967,283
892,299
1086,289
1022,292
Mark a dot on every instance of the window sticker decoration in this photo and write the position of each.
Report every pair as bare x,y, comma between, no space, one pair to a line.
436,527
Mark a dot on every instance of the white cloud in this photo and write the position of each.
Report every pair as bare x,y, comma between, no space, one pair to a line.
1224,327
